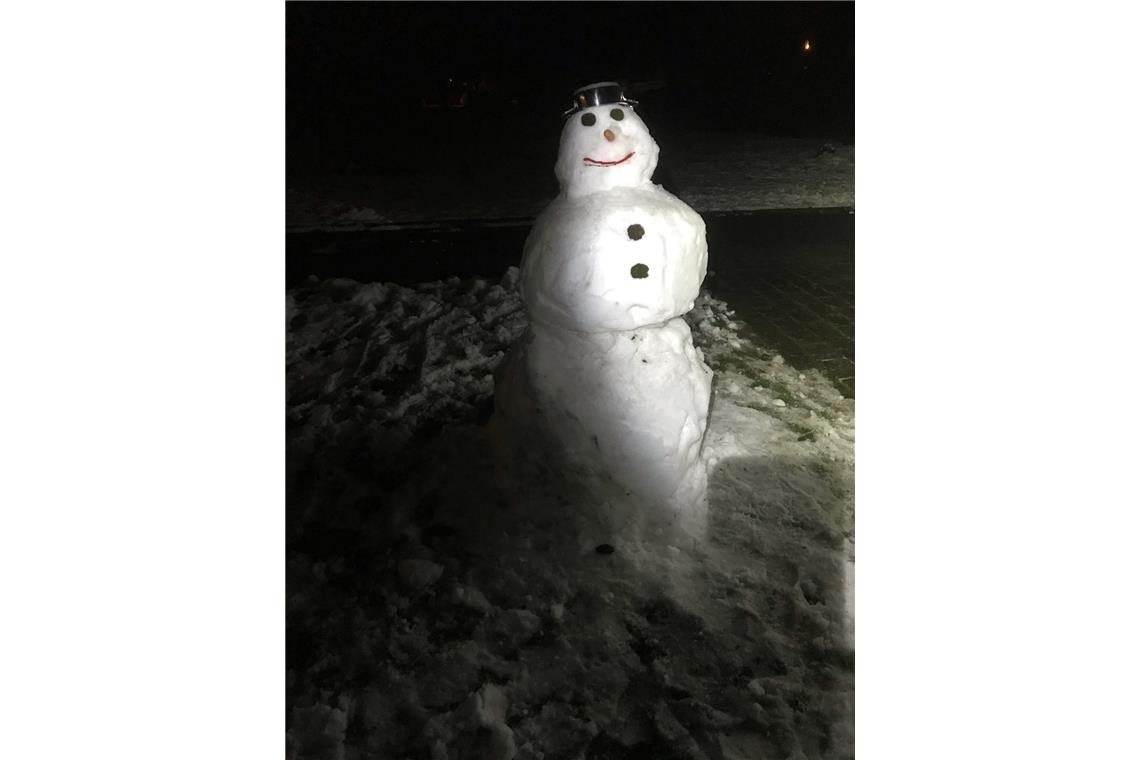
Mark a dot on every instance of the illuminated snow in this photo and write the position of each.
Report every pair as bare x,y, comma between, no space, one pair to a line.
607,377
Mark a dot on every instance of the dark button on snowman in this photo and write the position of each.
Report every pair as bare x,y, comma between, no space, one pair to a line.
607,367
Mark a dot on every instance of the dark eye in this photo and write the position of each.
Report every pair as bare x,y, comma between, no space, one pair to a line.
588,119
617,114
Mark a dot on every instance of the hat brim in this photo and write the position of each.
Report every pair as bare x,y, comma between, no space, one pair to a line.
578,107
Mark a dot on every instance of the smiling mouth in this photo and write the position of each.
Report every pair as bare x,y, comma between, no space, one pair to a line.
593,162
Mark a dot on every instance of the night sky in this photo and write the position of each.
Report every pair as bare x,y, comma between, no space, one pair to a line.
360,72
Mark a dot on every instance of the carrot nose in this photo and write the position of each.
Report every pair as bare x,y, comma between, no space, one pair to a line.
609,135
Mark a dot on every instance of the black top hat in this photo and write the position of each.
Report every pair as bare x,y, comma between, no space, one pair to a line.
599,94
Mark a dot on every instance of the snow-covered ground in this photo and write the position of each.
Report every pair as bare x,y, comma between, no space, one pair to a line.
430,615
744,173
710,172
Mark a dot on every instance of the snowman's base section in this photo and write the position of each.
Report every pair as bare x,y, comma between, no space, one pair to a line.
616,420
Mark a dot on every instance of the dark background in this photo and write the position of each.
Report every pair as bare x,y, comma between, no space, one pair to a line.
364,78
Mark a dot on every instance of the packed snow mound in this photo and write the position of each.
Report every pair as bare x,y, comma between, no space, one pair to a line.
364,215
430,617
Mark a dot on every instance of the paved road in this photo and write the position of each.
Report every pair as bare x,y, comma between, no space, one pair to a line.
790,275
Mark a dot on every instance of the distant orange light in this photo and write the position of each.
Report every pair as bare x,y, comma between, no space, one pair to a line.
807,45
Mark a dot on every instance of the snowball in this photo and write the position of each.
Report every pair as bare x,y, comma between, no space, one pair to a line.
472,598
419,573
490,705
501,743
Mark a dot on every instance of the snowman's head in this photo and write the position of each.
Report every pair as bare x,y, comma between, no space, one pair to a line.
604,147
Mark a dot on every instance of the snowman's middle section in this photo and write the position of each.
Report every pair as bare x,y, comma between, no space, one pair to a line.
613,260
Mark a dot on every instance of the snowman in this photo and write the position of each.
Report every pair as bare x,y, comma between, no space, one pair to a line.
606,381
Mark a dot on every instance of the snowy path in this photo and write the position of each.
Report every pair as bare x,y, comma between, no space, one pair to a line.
428,617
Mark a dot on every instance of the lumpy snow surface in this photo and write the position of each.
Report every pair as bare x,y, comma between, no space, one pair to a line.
431,617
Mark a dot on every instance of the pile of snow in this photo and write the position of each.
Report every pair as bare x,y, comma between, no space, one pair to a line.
431,617
364,215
